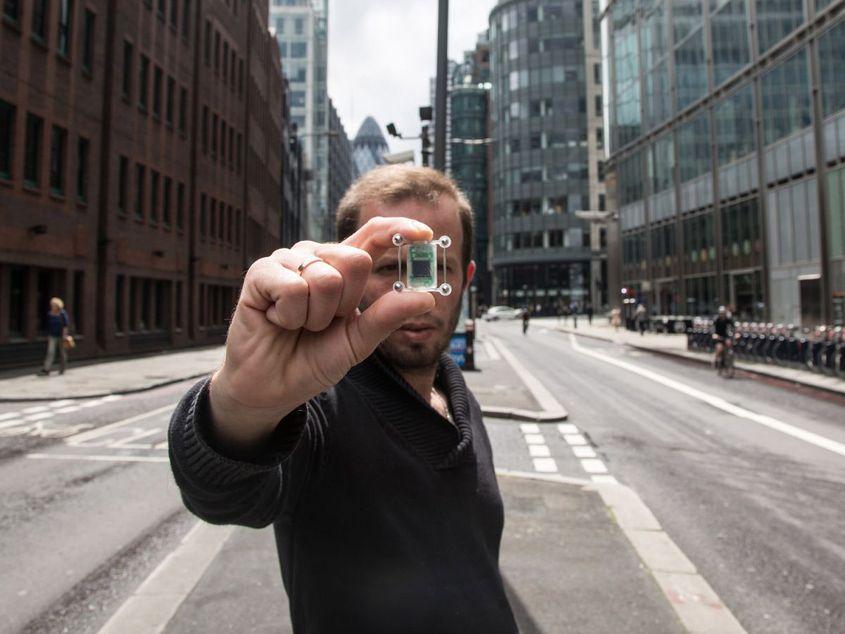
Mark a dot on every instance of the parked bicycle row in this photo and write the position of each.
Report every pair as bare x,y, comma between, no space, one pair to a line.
821,349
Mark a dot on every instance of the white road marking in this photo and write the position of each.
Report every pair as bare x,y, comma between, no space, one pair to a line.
567,428
575,439
156,600
40,416
93,403
719,403
529,428
68,410
593,465
583,451
604,479
111,397
8,415
95,458
60,403
11,423
535,439
491,351
545,398
545,465
539,451
107,429
127,443
33,410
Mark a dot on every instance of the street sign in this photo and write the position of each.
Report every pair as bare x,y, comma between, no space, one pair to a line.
458,348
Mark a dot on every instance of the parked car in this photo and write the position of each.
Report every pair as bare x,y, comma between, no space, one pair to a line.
494,313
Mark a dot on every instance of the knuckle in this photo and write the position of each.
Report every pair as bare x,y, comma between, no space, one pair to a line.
329,282
303,244
297,289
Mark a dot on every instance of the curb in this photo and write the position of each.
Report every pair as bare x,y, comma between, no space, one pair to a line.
695,603
76,397
744,367
531,416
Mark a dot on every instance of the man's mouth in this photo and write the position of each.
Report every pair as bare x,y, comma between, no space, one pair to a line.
417,331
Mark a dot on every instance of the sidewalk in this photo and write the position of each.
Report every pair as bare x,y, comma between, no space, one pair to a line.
121,376
501,390
567,563
676,345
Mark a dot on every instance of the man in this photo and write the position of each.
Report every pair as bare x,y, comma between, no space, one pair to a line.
723,327
338,418
57,334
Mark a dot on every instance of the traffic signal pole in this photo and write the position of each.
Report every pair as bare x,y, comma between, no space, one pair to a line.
440,94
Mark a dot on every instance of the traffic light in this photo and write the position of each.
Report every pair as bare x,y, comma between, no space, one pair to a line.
426,145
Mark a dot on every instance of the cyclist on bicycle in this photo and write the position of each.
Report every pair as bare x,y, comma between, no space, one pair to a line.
723,327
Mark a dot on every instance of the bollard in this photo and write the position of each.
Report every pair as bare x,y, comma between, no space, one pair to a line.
469,363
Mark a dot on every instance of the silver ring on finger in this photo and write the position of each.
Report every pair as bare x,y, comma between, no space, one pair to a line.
306,263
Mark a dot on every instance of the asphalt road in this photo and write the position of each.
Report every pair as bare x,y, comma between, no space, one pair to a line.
88,507
759,512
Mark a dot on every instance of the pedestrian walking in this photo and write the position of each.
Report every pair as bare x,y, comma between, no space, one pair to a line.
57,337
616,318
588,308
525,318
641,317
573,308
338,417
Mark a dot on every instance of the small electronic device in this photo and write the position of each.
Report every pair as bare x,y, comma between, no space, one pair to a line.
419,272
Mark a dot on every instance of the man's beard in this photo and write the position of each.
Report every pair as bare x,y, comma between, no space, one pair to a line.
421,356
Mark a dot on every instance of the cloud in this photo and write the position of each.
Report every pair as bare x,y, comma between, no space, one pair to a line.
383,52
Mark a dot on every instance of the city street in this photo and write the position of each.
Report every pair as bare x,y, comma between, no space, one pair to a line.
757,504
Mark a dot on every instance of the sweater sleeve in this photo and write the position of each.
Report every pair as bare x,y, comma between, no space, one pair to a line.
223,490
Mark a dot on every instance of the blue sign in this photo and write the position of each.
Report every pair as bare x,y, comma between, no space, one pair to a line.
458,348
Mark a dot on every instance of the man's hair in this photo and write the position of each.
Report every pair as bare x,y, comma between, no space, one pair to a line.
394,184
58,302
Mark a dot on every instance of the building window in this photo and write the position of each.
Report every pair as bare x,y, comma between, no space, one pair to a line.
229,224
203,216
832,70
207,44
776,20
729,31
165,201
82,169
222,141
174,13
119,298
298,50
694,141
297,99
17,299
39,19
786,98
734,121
299,26
88,35
212,219
58,147
143,82
225,62
158,76
11,10
240,78
7,138
162,9
168,104
238,227
183,109
122,184
186,16
154,184
126,80
205,130
238,156
65,21
214,136
140,174
180,206
216,51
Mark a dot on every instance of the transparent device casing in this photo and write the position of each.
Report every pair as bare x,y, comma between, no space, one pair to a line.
418,269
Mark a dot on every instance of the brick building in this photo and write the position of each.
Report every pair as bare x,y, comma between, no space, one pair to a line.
140,168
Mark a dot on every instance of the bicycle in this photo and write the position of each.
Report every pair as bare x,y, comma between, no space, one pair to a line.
724,361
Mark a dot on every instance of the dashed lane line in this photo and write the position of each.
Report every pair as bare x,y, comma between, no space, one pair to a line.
718,402
95,457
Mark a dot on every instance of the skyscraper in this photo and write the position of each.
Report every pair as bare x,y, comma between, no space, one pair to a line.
728,142
368,147
342,169
546,114
301,30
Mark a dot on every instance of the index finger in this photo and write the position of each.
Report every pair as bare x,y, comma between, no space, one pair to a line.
376,236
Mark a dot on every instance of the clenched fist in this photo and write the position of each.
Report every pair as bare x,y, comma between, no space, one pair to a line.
297,329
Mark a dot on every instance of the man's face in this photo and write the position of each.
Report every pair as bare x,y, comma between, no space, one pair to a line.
420,341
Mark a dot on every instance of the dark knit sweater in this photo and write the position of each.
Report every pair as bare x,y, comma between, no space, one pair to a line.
387,517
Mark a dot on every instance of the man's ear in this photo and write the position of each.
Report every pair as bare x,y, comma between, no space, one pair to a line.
470,273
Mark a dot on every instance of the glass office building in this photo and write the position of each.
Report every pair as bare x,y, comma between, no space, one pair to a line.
727,123
546,129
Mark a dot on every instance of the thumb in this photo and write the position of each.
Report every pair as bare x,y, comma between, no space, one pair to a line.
384,316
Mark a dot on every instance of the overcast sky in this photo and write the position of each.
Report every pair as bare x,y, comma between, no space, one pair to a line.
383,52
